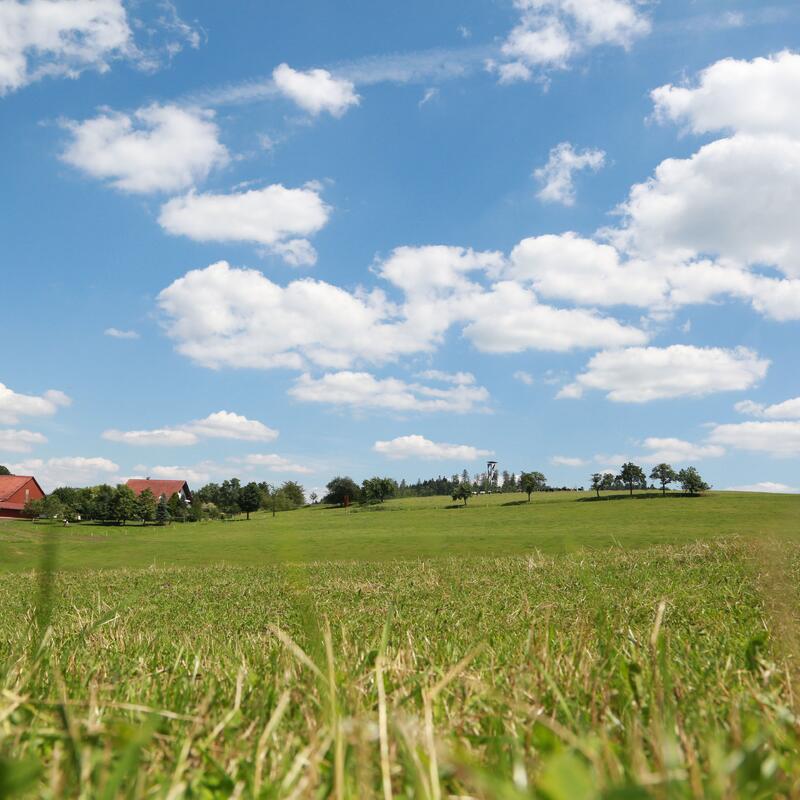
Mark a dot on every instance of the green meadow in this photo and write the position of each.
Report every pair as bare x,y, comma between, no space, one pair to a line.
565,649
418,528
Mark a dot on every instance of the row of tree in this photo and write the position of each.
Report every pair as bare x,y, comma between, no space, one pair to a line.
121,504
631,476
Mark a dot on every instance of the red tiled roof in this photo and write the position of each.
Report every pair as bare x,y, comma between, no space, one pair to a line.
158,488
9,484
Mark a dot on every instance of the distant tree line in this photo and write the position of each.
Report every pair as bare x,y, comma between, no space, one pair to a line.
121,505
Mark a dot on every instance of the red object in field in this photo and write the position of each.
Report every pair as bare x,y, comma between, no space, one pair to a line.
161,488
15,491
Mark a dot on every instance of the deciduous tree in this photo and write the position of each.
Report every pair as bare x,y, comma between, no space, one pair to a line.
250,498
691,482
530,482
665,475
462,492
632,475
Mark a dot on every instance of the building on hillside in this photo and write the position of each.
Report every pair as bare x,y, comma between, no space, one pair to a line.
15,491
161,489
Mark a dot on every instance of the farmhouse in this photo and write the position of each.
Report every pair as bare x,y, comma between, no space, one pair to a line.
15,491
161,489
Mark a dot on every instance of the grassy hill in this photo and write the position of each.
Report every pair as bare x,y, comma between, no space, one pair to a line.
502,524
562,650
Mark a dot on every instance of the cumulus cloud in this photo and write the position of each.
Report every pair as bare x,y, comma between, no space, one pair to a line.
557,176
758,96
776,438
67,471
416,446
158,437
551,33
227,425
219,425
363,391
14,405
568,461
509,319
770,487
569,267
643,374
458,378
197,474
734,199
678,451
316,90
276,217
788,409
19,441
158,148
47,37
116,333
225,316
274,463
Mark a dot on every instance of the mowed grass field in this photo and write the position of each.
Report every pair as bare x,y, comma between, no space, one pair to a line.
563,649
490,525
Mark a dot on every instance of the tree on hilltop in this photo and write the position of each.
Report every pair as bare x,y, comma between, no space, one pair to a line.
339,488
530,482
378,488
4,470
665,475
632,475
597,482
691,482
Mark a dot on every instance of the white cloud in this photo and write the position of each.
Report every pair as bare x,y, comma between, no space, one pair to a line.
557,175
59,37
219,425
275,216
551,33
788,409
19,441
643,374
568,461
116,333
510,320
67,471
316,90
14,405
779,438
524,377
416,446
227,425
197,475
678,451
758,96
274,463
734,199
458,378
224,316
159,437
570,267
769,487
362,390
155,149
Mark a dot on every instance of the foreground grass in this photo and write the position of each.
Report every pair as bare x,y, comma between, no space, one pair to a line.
416,528
664,671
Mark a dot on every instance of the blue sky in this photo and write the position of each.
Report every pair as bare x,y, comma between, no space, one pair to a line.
293,240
